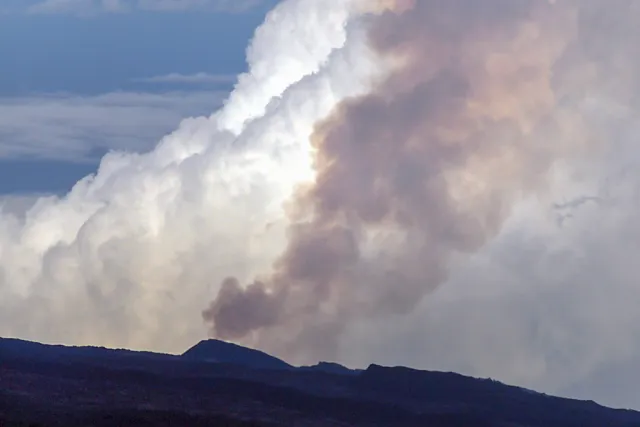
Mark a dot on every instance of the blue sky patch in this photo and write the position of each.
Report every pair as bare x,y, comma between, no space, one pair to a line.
75,85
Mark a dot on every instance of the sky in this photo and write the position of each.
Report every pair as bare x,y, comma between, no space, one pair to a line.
82,77
542,295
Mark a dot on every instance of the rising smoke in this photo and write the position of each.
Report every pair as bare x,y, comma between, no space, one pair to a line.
483,100
375,151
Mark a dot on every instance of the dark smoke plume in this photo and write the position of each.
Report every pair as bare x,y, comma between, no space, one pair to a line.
484,98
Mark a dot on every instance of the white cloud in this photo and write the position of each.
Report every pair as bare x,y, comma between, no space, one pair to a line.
198,78
92,7
72,127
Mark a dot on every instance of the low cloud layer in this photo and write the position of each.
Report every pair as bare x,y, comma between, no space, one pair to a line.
197,78
77,128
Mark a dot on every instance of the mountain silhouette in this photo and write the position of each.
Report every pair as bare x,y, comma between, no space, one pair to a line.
216,383
226,352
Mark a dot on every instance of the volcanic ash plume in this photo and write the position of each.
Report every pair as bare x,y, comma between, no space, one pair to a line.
483,99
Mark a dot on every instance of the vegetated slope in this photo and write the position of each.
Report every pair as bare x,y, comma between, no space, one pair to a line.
106,387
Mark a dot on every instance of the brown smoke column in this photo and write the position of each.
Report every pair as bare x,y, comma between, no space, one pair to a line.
425,167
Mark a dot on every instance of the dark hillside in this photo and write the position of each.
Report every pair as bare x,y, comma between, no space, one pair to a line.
44,385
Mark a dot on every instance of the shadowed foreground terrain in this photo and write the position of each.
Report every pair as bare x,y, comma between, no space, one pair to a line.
221,384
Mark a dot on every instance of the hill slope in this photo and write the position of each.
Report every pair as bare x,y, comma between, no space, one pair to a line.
54,386
224,352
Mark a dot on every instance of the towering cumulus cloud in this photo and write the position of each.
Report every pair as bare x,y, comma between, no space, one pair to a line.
129,255
374,150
